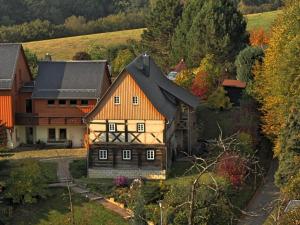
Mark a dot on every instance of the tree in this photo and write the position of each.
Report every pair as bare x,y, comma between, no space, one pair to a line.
245,61
276,81
82,56
156,39
26,183
219,100
259,38
75,24
32,61
124,57
185,78
209,27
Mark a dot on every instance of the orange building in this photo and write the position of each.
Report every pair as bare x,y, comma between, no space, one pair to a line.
49,109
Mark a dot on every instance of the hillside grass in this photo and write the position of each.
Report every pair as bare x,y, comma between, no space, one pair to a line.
65,48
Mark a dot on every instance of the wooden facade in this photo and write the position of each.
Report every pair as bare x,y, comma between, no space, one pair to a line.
126,89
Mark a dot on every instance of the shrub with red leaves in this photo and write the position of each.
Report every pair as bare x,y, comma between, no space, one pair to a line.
200,86
233,167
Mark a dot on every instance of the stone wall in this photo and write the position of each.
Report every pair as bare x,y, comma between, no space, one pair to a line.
130,173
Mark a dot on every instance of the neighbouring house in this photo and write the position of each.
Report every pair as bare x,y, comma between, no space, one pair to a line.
14,75
177,69
234,89
50,109
142,122
62,94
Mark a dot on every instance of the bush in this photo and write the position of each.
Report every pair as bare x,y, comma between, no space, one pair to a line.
121,181
233,167
26,183
219,100
81,56
78,168
292,189
151,192
290,218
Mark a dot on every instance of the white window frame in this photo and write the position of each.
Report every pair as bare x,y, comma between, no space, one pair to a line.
150,155
102,154
135,100
117,100
140,127
126,154
112,127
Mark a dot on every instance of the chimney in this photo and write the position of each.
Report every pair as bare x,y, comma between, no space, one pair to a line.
48,57
146,64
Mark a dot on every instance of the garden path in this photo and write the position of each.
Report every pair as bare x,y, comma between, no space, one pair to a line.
262,202
65,179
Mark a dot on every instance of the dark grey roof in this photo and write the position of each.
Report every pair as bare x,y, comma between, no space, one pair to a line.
163,93
8,60
69,80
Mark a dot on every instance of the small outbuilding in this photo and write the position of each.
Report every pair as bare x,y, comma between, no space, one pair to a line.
234,89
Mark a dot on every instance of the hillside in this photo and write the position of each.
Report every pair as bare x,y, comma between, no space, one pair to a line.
65,48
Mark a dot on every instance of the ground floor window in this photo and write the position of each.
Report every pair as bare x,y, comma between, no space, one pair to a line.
51,134
102,154
63,134
126,154
150,154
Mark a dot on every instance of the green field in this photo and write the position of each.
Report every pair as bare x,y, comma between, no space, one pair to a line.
65,48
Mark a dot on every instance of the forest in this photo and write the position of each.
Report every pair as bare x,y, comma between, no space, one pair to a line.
32,20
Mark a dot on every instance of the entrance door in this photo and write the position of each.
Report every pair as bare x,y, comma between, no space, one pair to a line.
29,135
28,106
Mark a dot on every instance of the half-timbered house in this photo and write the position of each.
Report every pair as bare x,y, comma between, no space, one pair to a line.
141,123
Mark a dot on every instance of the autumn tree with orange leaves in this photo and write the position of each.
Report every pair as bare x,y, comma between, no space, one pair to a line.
259,38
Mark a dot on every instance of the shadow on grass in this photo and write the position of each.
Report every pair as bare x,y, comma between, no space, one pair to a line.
53,210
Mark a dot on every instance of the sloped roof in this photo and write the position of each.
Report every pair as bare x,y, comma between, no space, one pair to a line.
69,80
8,60
180,66
163,93
234,83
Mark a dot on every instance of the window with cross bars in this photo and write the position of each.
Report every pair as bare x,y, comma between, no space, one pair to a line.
126,155
102,154
112,127
140,127
150,155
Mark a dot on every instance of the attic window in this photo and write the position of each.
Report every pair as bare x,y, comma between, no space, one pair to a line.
135,100
112,127
117,100
140,127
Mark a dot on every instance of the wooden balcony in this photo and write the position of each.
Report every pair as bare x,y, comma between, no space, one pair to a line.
32,119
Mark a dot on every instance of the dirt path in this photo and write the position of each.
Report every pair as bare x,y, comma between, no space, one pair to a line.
261,203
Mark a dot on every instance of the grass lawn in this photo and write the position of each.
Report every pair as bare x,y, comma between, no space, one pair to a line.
45,153
55,211
65,48
263,20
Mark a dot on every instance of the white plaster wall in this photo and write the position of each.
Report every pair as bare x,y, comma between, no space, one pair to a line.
152,126
15,137
74,133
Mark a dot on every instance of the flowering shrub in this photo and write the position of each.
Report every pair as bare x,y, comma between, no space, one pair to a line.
121,181
233,167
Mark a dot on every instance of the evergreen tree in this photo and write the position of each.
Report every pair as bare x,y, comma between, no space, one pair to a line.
209,27
246,60
161,24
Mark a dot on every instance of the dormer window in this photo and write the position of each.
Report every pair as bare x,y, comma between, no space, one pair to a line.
135,100
117,100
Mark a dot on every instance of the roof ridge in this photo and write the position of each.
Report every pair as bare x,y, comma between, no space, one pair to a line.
74,61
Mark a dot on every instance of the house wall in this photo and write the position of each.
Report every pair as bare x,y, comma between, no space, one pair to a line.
126,89
154,131
74,133
6,108
41,107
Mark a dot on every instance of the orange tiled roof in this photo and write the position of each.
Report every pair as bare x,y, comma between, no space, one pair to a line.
234,83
